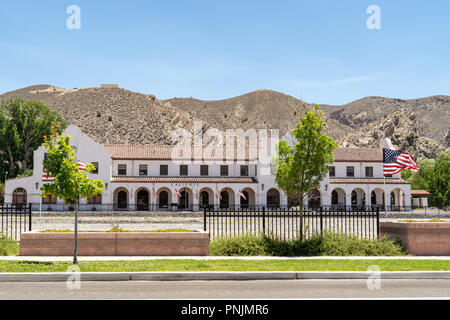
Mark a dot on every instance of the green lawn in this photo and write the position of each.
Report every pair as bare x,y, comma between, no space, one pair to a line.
228,265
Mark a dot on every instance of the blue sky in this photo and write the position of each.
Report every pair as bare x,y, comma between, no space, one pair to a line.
320,51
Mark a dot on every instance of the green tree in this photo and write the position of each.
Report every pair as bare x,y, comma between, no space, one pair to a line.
420,180
301,167
439,185
22,128
70,183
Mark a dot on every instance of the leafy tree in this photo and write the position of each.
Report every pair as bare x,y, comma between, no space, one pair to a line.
70,184
301,166
433,176
22,128
439,186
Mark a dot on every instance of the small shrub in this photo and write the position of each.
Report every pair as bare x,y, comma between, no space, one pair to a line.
327,244
8,246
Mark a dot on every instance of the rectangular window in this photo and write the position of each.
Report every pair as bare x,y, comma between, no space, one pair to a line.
224,170
95,164
163,170
143,170
369,171
332,171
183,170
204,170
350,171
122,169
244,171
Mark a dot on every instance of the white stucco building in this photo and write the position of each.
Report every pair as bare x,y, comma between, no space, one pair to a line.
151,178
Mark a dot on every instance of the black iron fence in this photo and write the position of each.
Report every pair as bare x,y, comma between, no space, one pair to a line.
15,219
291,223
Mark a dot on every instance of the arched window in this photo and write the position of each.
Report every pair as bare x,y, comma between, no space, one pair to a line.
19,197
163,199
273,198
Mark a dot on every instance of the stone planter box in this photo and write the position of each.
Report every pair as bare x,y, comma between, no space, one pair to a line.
420,238
115,243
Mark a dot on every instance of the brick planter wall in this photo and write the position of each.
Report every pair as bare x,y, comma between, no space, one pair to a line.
420,238
115,243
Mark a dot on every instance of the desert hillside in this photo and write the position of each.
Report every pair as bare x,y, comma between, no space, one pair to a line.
115,115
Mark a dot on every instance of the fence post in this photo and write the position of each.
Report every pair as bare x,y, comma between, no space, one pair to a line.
264,220
321,221
378,222
204,218
29,217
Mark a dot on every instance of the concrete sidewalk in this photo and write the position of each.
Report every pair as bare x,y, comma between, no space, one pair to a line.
217,275
130,258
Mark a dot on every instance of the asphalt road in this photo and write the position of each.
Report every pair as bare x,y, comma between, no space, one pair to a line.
267,289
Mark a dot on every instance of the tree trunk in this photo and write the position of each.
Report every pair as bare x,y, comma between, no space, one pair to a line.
12,165
75,259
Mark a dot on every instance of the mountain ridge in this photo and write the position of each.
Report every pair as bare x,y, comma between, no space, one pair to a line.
114,115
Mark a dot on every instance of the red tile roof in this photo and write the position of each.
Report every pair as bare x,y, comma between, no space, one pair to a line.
167,152
358,155
366,181
144,179
170,152
424,193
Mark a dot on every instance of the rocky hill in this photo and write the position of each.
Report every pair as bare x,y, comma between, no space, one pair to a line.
110,115
113,115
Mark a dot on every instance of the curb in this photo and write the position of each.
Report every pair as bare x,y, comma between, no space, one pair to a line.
213,275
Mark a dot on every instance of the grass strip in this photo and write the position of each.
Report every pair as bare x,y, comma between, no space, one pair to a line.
227,265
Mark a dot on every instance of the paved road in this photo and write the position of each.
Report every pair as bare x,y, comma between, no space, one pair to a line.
269,289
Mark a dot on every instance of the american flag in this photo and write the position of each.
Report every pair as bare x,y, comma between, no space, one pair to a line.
197,196
47,177
155,195
177,193
395,161
242,195
218,194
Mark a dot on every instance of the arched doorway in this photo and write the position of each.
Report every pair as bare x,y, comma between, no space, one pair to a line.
204,199
183,200
224,200
273,198
142,200
19,197
338,198
358,198
314,199
163,200
373,199
244,201
122,200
